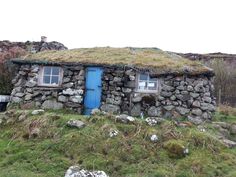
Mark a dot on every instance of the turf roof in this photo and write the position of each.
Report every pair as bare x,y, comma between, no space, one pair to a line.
152,59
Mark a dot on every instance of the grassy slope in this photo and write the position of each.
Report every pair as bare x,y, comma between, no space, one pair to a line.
129,154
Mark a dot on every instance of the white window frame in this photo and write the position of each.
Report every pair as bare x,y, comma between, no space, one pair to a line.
148,80
41,76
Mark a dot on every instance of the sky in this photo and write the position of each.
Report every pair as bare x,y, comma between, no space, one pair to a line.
200,26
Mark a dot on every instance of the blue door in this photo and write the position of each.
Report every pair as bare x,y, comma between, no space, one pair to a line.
93,89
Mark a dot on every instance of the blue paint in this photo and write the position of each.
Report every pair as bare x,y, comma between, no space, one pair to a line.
93,89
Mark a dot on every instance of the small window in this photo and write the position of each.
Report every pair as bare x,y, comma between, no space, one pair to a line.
50,76
147,84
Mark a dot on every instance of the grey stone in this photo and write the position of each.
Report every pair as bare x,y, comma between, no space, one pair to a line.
168,88
62,98
196,120
166,94
136,110
110,108
169,108
38,111
19,94
28,97
130,84
75,171
207,99
126,90
125,118
197,111
16,99
173,97
52,104
76,123
196,104
190,88
31,83
181,87
76,99
229,143
137,99
70,91
182,110
154,111
199,88
68,85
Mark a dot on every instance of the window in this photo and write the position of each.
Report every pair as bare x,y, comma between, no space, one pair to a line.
147,84
50,76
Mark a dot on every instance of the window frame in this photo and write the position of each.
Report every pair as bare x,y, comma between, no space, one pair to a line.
156,90
41,77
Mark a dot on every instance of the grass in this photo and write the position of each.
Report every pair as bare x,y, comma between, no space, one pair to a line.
131,153
156,60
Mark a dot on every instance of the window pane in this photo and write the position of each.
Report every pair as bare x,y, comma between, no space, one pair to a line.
152,86
55,80
46,79
142,85
55,70
143,77
47,70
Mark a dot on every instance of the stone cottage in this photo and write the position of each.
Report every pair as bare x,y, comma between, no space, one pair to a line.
135,81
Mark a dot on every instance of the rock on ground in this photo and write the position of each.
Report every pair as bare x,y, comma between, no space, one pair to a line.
75,171
76,123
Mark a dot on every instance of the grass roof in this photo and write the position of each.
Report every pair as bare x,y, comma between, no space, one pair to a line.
153,59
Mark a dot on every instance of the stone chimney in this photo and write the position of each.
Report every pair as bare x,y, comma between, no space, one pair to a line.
43,39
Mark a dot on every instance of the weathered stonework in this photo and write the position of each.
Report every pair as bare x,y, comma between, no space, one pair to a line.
177,96
69,95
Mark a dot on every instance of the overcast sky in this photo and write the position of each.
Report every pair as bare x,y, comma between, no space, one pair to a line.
201,26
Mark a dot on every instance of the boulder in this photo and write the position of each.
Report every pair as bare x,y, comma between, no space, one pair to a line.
76,123
75,171
52,104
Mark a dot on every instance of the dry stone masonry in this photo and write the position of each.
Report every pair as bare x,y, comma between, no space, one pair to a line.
177,96
69,95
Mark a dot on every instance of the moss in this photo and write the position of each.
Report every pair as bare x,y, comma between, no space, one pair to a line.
175,148
156,60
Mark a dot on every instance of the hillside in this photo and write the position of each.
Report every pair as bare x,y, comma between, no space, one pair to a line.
43,145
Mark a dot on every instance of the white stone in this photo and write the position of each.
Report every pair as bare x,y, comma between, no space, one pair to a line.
36,112
154,138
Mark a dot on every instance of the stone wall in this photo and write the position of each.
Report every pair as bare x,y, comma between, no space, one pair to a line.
177,96
69,95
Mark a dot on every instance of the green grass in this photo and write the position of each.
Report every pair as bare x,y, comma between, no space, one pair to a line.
155,59
131,153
